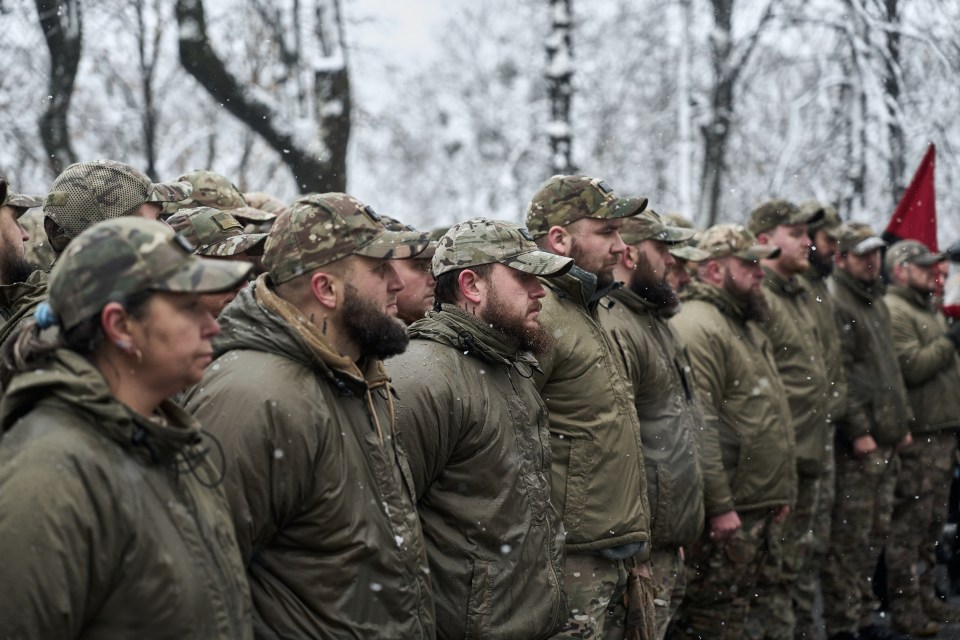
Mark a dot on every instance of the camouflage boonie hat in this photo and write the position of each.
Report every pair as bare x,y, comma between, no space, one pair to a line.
90,192
911,252
115,259
481,241
216,233
211,189
723,240
562,200
648,225
321,228
773,213
18,201
858,238
392,224
830,222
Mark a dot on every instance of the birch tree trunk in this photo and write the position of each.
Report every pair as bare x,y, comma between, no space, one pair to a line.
891,84
684,121
62,24
560,86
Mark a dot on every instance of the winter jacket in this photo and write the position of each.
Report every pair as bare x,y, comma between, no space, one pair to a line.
598,481
876,398
828,324
744,401
671,418
320,489
928,360
475,431
112,524
798,352
18,302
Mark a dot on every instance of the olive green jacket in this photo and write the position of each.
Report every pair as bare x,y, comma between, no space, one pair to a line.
18,302
828,323
112,525
744,401
475,431
928,360
598,480
321,493
876,397
671,418
798,352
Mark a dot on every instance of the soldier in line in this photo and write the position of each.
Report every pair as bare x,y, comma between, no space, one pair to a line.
416,297
876,422
927,353
20,284
748,458
671,419
317,478
598,481
792,329
476,434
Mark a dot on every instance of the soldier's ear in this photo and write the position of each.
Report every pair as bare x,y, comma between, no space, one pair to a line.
468,283
559,241
326,289
764,238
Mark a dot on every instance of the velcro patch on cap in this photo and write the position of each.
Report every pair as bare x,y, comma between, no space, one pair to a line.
56,199
371,213
526,234
226,221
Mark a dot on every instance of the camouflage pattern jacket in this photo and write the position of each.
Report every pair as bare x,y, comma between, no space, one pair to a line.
828,325
876,397
798,352
744,402
671,418
109,525
319,485
475,431
928,360
598,480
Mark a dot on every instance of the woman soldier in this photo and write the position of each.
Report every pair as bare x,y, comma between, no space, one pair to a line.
112,523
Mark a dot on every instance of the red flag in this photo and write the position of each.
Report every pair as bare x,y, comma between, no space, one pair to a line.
915,217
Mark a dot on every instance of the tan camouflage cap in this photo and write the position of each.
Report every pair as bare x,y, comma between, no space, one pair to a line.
115,259
216,233
392,224
90,192
829,222
688,252
562,200
911,252
648,225
252,214
858,238
773,213
321,228
265,202
20,202
481,241
211,189
722,240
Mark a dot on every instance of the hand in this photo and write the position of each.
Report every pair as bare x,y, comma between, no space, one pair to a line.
906,442
781,513
723,525
864,445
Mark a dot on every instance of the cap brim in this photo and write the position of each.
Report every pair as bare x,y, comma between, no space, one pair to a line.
540,263
395,245
205,275
929,259
248,243
835,232
759,252
22,201
170,192
865,246
625,208
686,252
429,252
255,215
674,235
803,218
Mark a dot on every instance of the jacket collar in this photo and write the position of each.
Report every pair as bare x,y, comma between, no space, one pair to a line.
638,304
580,286
718,297
785,287
912,296
866,293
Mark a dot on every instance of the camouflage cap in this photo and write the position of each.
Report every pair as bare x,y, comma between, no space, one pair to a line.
252,214
829,222
648,225
562,200
265,202
321,228
858,238
211,189
481,241
723,240
115,259
911,252
773,213
688,252
392,224
90,192
216,233
19,201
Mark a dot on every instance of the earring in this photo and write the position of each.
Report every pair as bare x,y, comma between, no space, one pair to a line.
139,356
123,345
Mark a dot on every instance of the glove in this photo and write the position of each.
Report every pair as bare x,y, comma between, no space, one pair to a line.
953,334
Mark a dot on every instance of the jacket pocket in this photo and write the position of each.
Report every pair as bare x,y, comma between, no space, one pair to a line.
583,460
661,500
478,605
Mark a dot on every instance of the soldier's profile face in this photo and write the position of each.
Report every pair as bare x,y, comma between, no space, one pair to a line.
596,246
794,246
742,277
511,304
865,268
416,297
13,263
376,281
658,257
922,278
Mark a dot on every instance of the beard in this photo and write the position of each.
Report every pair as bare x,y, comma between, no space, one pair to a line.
753,300
645,283
14,267
536,340
379,334
595,266
821,264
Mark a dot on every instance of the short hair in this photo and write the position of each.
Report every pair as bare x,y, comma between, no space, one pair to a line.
447,287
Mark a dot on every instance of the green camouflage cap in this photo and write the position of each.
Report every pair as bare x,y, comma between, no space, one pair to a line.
265,202
722,240
648,225
211,189
911,252
858,238
481,241
19,201
687,252
321,228
216,233
829,222
115,259
773,213
252,214
392,224
562,200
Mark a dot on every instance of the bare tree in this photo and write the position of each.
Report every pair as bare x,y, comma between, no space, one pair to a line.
891,84
560,86
314,84
62,23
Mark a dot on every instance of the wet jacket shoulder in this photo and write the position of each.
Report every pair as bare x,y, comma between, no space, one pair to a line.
928,360
743,399
794,335
112,524
828,322
475,430
322,497
671,419
876,398
595,435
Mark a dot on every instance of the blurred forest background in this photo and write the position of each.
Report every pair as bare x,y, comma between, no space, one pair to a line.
437,111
